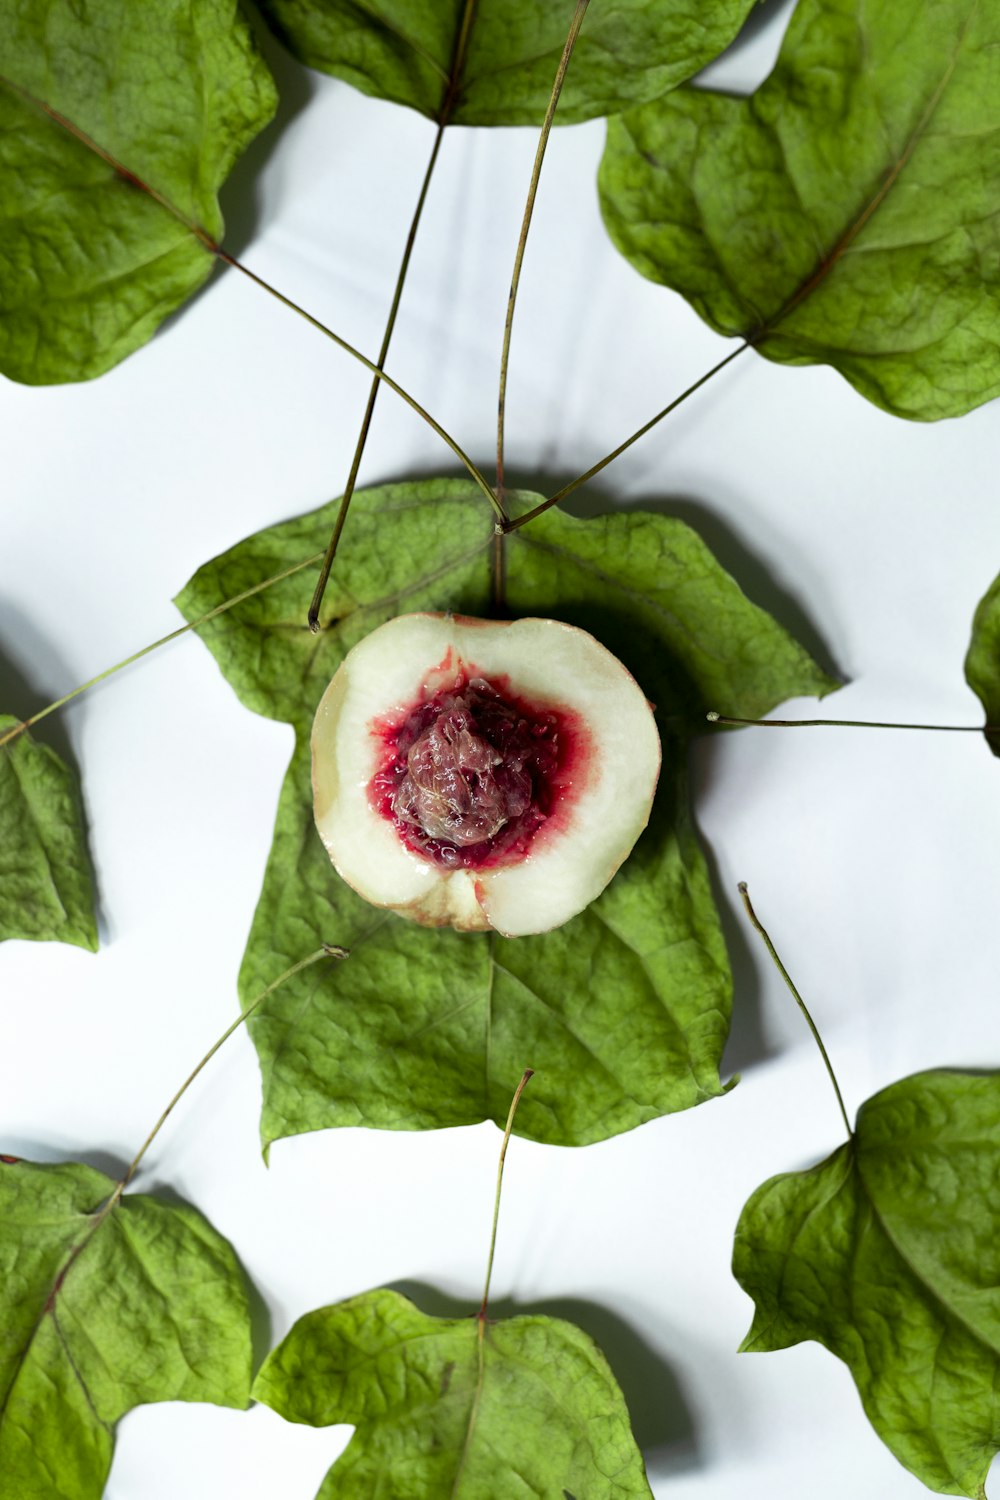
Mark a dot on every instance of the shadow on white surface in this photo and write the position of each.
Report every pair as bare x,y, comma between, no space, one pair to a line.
660,1414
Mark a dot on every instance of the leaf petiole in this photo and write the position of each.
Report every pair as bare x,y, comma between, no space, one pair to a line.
215,249
404,266
609,458
481,1315
164,640
498,575
114,1198
759,927
528,1073
714,717
366,421
536,172
380,375
328,950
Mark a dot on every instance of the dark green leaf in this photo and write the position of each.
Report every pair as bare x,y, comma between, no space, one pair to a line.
982,664
531,1408
624,1011
103,1309
405,50
97,103
847,212
46,889
888,1253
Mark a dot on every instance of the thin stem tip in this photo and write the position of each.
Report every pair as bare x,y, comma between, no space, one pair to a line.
775,959
528,1073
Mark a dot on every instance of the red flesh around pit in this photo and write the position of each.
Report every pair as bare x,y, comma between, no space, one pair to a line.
473,757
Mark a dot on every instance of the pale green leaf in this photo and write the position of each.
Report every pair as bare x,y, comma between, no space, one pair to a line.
104,1308
118,125
982,663
46,887
847,213
624,1011
406,51
531,1409
888,1253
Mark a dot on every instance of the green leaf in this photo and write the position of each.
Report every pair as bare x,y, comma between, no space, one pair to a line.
531,1407
105,1304
119,123
46,888
888,1253
624,1011
982,663
406,51
847,212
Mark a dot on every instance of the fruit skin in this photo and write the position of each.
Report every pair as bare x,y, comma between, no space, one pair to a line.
599,814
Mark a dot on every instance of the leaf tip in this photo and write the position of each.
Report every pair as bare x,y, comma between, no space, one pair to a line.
831,684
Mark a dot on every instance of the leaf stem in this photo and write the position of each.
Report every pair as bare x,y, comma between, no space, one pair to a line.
380,375
716,718
366,421
536,172
164,640
481,1315
498,575
328,950
756,923
214,249
528,1073
574,484
404,266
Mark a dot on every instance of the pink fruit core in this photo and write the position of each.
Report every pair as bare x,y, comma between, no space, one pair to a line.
472,773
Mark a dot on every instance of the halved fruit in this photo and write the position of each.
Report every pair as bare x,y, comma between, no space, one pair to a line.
482,773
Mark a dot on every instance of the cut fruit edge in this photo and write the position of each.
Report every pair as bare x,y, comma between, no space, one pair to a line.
599,814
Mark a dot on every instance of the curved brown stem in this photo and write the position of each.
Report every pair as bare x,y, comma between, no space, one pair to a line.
451,94
536,172
574,484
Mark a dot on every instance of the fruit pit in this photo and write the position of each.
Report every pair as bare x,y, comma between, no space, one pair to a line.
472,773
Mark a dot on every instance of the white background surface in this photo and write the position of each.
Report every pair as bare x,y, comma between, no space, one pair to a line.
871,856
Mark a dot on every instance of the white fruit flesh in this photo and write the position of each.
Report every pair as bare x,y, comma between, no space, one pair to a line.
601,810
